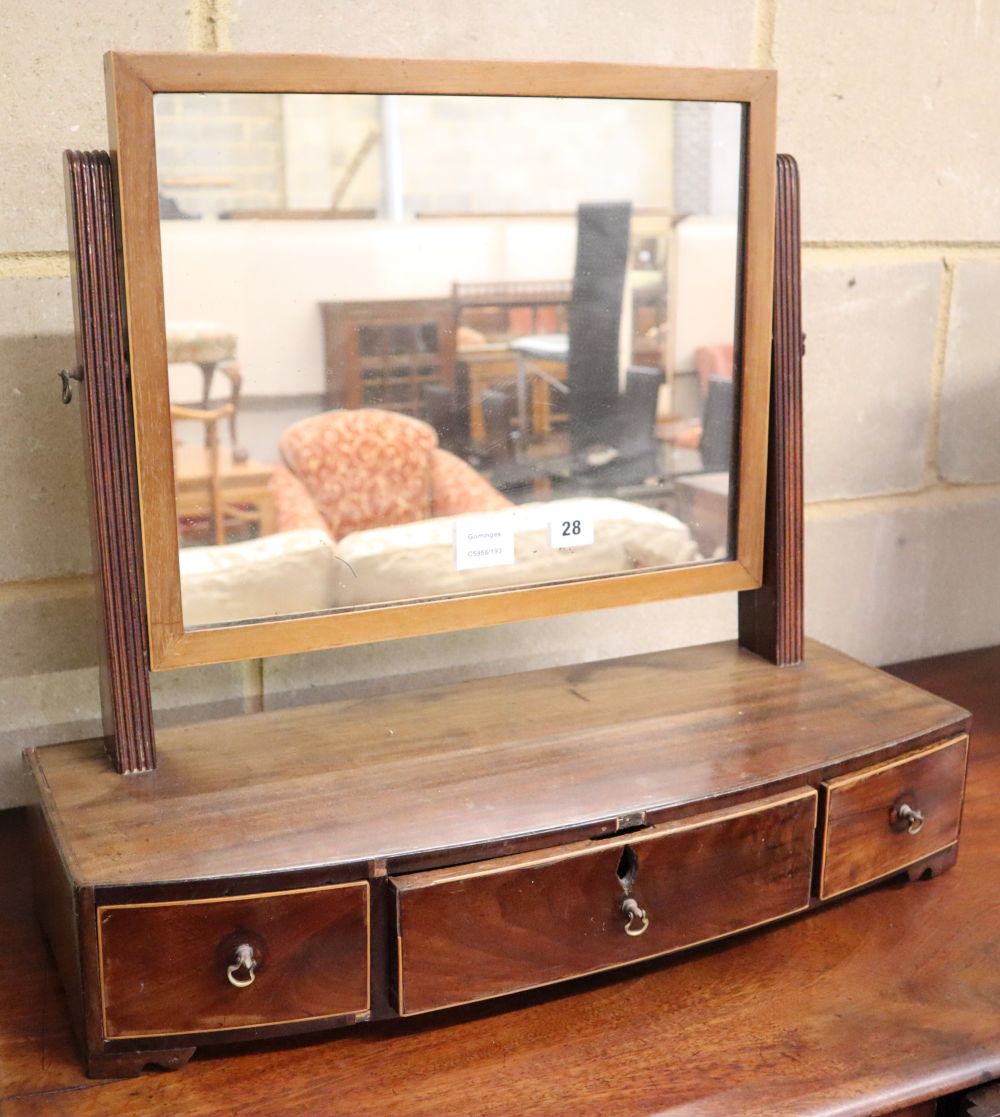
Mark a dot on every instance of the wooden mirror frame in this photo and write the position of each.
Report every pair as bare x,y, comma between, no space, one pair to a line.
132,82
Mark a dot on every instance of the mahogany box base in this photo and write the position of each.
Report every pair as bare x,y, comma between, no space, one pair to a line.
306,869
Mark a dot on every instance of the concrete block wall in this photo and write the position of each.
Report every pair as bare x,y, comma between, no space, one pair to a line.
894,121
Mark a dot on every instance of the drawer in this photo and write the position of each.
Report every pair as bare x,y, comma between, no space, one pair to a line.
170,968
494,927
866,837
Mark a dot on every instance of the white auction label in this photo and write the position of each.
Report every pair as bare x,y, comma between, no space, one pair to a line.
484,541
571,527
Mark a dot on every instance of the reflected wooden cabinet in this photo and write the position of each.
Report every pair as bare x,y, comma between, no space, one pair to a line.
384,353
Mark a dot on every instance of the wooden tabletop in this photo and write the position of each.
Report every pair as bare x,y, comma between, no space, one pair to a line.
390,777
192,468
717,484
864,1008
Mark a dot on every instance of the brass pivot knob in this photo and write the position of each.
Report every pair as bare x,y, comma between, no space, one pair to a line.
67,376
246,963
913,818
636,920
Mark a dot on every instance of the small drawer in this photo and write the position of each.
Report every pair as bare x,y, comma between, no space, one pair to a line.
240,962
482,930
882,819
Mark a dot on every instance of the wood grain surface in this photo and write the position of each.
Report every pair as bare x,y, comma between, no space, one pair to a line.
863,839
478,766
865,1008
109,445
771,618
495,927
163,966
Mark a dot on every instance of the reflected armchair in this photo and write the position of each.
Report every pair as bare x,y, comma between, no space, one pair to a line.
348,471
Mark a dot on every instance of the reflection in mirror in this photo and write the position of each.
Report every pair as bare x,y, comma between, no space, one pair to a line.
432,345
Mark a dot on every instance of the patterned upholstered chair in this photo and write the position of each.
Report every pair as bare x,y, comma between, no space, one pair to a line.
350,471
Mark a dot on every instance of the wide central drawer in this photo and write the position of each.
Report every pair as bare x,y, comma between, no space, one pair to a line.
494,927
236,962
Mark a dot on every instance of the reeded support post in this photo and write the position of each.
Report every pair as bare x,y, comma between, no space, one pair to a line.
106,415
771,618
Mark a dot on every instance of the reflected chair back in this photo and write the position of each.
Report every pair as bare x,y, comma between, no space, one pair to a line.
595,311
719,433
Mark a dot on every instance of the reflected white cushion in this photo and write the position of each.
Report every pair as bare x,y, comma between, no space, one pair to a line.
418,559
276,575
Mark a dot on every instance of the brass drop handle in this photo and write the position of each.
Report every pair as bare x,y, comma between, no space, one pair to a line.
913,818
244,961
632,912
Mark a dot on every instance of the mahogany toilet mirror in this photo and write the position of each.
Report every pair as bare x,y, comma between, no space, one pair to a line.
377,348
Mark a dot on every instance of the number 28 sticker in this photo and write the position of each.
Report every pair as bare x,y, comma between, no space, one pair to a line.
571,527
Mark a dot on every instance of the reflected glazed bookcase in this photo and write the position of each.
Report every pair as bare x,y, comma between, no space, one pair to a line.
385,353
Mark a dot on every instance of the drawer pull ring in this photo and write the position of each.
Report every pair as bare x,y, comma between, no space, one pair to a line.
912,817
632,911
244,961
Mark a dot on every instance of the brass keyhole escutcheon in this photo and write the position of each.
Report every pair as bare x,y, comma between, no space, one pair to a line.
636,920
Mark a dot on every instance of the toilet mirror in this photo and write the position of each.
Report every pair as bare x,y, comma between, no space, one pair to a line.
424,346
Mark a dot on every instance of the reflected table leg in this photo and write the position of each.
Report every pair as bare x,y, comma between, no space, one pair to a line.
522,405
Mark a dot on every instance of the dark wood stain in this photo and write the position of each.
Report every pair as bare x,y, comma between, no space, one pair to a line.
405,786
512,759
310,957
865,840
106,415
771,618
863,1008
498,926
147,886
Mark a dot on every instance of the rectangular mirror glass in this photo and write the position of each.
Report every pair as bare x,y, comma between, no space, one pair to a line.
421,346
